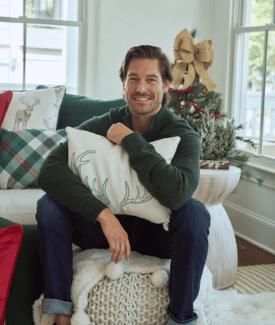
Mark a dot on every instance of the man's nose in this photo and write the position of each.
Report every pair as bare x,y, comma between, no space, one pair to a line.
141,86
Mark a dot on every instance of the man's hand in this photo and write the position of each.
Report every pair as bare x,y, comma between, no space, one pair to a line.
115,234
117,132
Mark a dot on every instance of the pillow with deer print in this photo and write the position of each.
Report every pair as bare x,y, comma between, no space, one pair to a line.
34,109
105,169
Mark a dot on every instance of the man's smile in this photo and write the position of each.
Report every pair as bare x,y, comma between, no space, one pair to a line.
142,98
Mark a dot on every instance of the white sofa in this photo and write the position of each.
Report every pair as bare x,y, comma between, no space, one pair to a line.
19,205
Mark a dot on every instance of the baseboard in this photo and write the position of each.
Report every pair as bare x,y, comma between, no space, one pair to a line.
251,226
248,239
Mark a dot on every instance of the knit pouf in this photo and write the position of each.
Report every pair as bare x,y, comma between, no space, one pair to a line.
131,299
127,293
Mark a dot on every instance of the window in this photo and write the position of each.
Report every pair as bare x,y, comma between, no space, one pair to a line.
254,74
40,43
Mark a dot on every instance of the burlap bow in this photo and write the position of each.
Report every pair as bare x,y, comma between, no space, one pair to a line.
197,58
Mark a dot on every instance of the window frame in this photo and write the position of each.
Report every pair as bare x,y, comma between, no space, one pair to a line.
259,161
80,23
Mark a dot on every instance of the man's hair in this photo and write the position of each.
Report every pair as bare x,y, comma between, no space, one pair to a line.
148,52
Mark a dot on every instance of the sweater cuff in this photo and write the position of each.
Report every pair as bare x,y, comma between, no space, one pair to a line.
133,141
91,209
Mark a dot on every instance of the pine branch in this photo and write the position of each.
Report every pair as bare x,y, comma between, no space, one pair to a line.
249,142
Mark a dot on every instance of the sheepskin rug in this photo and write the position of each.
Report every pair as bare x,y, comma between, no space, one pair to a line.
233,308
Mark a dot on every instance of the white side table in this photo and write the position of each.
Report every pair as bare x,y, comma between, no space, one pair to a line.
222,259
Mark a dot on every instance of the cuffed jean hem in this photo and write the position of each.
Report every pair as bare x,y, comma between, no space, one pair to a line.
173,321
55,306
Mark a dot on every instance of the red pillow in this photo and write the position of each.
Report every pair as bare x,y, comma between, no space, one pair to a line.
10,243
5,99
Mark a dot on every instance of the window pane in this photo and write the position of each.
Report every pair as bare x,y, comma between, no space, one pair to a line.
52,56
11,56
52,9
11,8
252,81
269,127
261,12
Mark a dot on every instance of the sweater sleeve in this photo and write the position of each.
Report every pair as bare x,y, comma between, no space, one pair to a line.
171,184
60,183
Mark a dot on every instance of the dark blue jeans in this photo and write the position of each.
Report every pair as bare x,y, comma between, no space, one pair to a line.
186,243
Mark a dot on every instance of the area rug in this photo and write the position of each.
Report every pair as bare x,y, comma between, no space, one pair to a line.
255,279
231,306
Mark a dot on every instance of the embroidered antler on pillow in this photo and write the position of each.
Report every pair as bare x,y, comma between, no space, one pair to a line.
104,168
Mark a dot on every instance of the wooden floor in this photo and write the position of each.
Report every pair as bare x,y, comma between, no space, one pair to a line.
248,254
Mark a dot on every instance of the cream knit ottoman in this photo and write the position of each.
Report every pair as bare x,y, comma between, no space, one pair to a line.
127,293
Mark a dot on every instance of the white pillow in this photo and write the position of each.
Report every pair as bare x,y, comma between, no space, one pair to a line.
105,169
34,109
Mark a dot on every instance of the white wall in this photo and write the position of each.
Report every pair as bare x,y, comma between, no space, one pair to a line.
221,22
126,23
116,25
251,209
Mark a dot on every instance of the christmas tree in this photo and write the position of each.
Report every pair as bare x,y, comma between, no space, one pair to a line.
194,99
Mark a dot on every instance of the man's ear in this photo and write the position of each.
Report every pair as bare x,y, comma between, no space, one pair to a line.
166,85
123,84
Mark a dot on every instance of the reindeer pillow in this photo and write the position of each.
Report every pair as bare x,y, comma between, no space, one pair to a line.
104,168
34,109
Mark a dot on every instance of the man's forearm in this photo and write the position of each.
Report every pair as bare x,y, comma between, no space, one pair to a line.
171,184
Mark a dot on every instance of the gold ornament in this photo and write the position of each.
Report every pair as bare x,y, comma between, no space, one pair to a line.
197,58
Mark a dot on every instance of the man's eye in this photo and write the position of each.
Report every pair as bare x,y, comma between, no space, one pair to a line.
152,80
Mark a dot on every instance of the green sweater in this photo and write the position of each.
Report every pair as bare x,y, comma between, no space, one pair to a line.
171,184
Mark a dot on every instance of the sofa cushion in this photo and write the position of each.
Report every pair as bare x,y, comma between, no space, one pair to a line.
5,99
112,180
27,283
10,242
34,109
76,109
19,205
22,154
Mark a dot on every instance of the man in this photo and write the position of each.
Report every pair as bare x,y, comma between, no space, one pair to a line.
69,213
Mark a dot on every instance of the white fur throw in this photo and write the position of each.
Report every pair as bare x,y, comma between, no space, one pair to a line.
127,293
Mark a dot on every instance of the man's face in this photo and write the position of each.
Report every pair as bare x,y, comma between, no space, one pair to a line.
143,87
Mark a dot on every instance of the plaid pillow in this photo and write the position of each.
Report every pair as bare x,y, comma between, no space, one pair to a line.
22,154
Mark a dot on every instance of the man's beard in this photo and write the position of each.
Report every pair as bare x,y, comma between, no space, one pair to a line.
148,110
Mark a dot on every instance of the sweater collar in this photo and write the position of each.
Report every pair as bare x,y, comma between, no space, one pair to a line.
160,120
